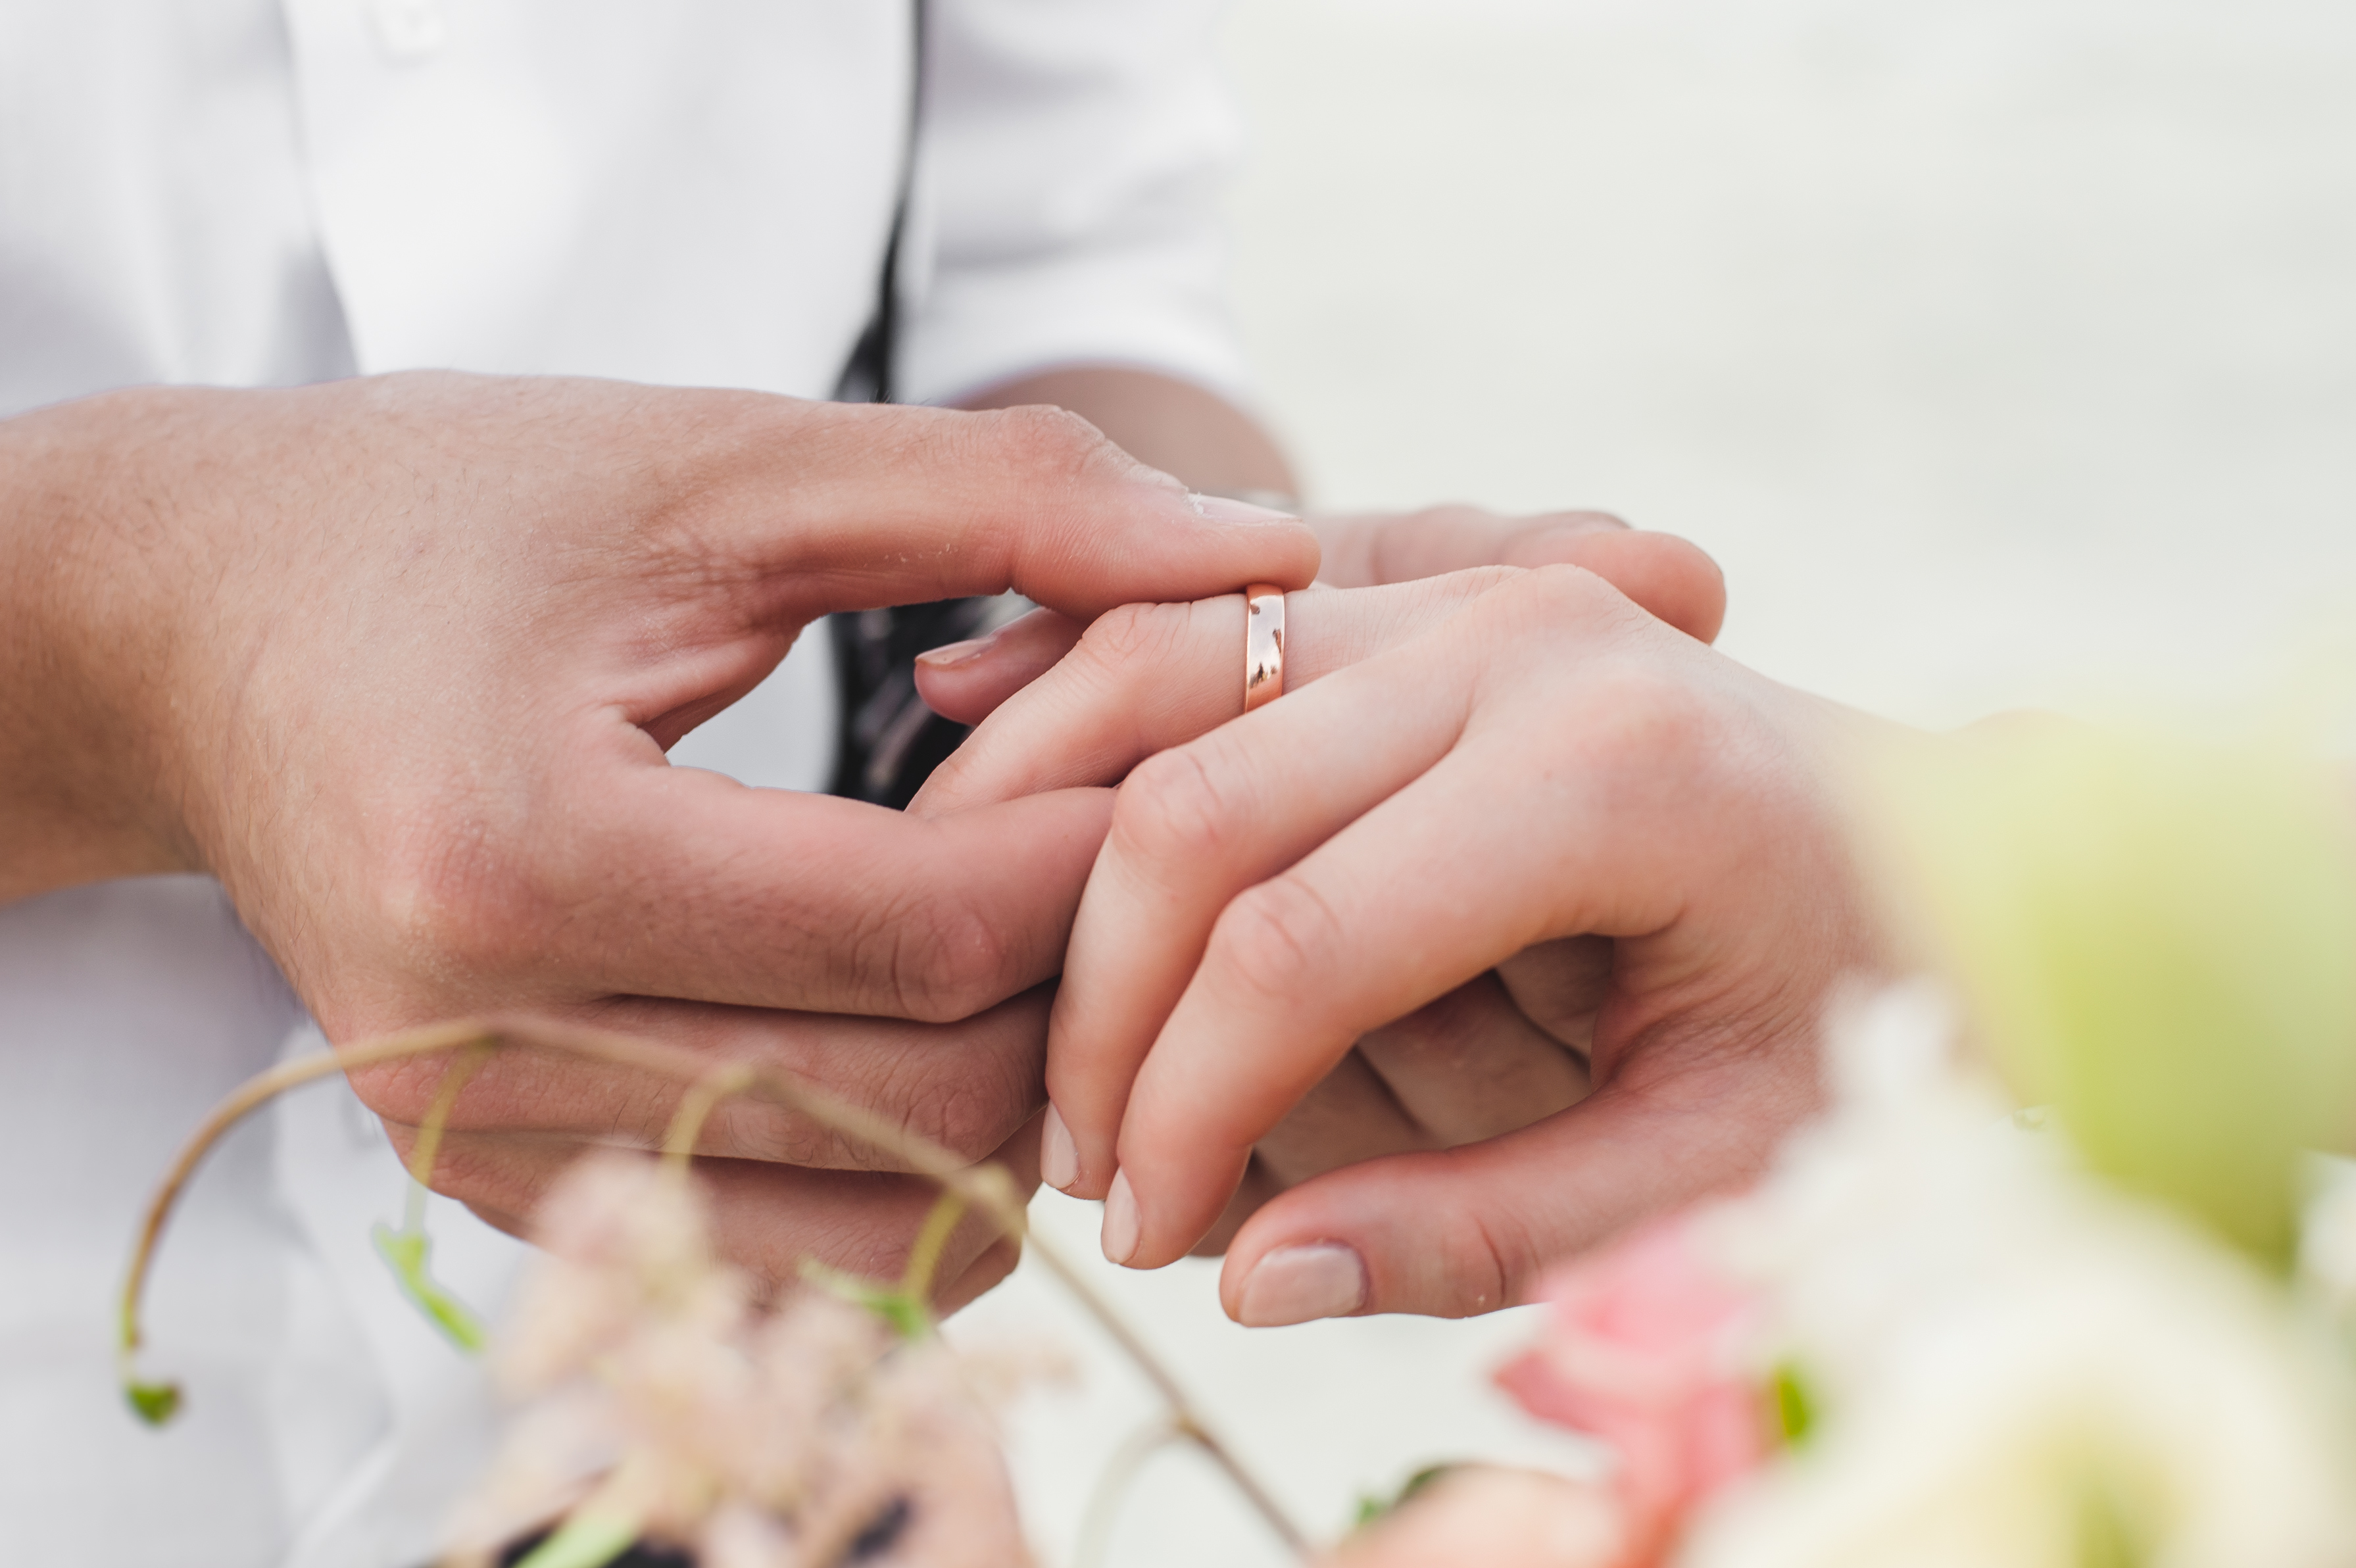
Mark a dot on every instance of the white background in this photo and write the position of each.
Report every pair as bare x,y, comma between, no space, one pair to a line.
2004,352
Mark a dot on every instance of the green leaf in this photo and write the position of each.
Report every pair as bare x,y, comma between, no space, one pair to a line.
587,1540
910,1315
409,1254
1795,1408
1373,1506
155,1404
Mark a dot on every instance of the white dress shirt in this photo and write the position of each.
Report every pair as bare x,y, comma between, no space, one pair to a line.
252,192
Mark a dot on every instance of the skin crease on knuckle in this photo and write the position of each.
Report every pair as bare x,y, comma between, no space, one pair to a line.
1174,815
1042,452
1450,1039
1271,943
970,1103
1565,605
1121,649
1501,1268
1039,442
946,958
450,902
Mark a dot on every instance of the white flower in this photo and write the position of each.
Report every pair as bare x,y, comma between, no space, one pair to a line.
2015,1365
2326,1252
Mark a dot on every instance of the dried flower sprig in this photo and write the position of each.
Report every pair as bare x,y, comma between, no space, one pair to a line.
668,1403
986,1189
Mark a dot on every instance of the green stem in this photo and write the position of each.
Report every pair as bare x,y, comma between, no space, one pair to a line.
925,1257
428,1147
985,1187
695,1108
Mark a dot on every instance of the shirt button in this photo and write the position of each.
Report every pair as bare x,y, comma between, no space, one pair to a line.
409,30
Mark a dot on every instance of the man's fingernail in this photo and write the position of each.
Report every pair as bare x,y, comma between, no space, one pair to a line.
1294,1284
1121,1220
1227,508
1059,1157
950,654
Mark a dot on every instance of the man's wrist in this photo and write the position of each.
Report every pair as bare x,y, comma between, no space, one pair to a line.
81,796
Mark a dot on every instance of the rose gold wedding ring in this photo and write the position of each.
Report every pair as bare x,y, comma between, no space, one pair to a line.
1263,644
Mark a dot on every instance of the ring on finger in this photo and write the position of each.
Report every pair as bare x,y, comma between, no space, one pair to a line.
1263,644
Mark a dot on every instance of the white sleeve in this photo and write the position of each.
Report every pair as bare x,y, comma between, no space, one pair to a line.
1071,158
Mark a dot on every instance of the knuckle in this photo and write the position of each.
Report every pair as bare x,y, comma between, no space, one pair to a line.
470,1172
1498,1266
448,899
1442,1036
1490,1257
1051,441
997,1261
1173,812
1645,720
969,1112
1569,597
947,961
1139,636
399,1093
1274,937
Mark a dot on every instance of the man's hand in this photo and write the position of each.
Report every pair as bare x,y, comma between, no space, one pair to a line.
398,659
1501,771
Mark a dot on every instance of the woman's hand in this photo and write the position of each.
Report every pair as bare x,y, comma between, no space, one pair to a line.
1473,1064
1668,576
1493,768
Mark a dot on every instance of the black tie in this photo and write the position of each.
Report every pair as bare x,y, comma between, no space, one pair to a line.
889,741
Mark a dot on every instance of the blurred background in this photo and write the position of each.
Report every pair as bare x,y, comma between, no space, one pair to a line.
2003,351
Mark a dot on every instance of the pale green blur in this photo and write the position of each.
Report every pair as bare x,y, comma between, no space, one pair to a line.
2160,940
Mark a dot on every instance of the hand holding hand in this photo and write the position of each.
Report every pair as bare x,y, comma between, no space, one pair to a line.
1476,1063
1489,769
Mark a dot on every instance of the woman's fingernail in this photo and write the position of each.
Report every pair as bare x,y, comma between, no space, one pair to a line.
1059,1157
1294,1284
1121,1220
950,654
1227,508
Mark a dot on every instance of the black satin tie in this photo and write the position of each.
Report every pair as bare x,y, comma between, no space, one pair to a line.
888,741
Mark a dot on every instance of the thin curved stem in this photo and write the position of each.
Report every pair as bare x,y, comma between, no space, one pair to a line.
241,1102
428,1147
695,1108
1182,1416
925,1257
1113,1483
986,1187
